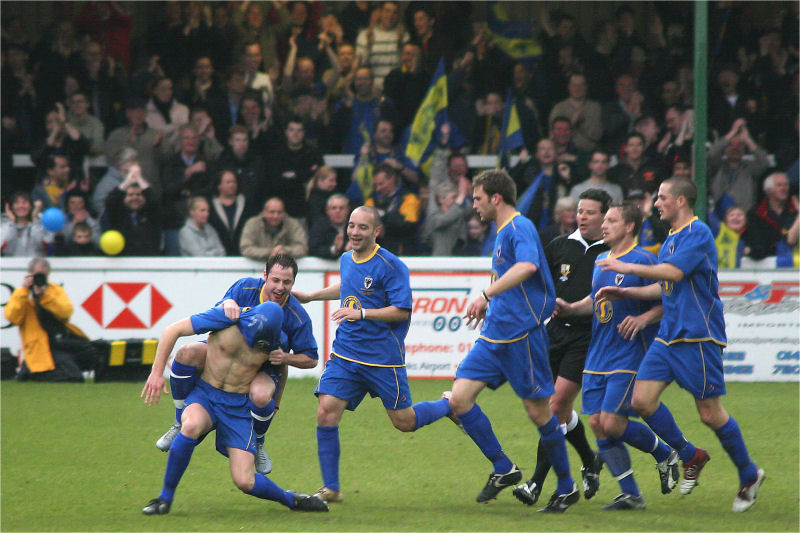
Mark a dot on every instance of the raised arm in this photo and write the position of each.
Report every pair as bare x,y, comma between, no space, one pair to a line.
331,292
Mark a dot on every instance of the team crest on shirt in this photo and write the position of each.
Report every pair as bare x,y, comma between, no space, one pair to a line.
618,279
603,310
565,270
368,282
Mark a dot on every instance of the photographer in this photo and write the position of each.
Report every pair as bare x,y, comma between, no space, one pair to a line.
53,349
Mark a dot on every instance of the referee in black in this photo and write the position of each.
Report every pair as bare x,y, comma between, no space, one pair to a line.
571,260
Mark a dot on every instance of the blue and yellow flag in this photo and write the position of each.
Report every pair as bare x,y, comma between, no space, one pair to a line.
511,131
515,39
431,114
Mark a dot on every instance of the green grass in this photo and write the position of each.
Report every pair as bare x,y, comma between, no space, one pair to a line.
82,458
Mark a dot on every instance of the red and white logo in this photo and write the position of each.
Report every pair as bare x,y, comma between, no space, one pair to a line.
126,305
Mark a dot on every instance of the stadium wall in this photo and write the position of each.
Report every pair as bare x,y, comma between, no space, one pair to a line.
122,298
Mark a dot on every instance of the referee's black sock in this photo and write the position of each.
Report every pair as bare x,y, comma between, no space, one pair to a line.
542,465
577,437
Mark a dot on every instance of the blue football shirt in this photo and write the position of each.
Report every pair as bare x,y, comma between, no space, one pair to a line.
512,313
609,351
248,292
692,307
378,281
261,323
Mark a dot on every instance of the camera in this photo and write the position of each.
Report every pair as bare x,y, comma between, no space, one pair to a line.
40,279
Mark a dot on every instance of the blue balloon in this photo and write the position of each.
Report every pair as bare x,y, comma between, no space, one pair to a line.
53,219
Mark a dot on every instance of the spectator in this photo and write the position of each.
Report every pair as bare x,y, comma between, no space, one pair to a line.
585,115
378,46
566,151
339,76
381,150
248,166
356,115
445,219
448,166
145,140
303,28
255,79
291,167
22,234
734,180
541,182
621,113
253,25
299,72
634,171
103,79
730,245
79,243
327,237
50,192
598,166
90,126
477,243
772,228
273,232
77,212
200,89
184,175
486,136
355,16
407,85
726,103
399,210
52,348
530,94
229,211
164,113
115,175
224,109
432,43
62,139
133,211
260,122
564,220
649,129
678,137
198,238
321,187
210,148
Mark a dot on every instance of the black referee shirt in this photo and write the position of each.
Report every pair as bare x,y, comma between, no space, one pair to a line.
571,261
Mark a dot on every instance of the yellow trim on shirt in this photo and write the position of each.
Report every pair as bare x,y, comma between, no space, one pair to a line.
365,364
507,221
674,231
502,341
704,339
375,251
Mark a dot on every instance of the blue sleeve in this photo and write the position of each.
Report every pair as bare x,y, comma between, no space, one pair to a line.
212,320
301,339
234,292
694,246
398,286
524,244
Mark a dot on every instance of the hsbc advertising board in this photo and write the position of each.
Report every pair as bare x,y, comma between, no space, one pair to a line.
122,298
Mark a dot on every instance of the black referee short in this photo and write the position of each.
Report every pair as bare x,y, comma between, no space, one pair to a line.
568,347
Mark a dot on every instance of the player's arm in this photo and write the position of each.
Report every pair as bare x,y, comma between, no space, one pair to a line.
155,383
282,385
659,272
331,292
514,276
582,307
648,292
633,324
297,360
390,313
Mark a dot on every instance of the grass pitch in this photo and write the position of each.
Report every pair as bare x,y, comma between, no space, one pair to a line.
81,457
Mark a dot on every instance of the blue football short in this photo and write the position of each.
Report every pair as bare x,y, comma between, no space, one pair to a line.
523,363
229,414
608,392
352,381
695,366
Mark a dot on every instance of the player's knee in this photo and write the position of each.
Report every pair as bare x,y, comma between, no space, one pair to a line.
643,406
190,427
405,424
260,395
561,407
598,428
243,481
460,404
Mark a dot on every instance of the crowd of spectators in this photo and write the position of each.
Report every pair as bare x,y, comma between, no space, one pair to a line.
214,131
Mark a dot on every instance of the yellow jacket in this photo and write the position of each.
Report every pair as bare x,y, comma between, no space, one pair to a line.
21,311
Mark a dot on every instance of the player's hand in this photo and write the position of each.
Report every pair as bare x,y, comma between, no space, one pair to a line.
630,326
232,309
613,264
277,357
476,311
562,307
153,387
610,293
346,313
